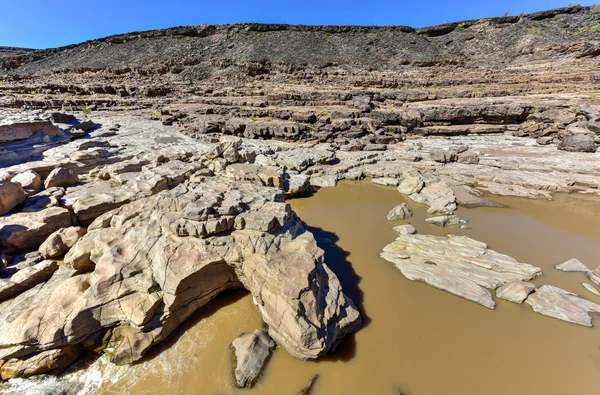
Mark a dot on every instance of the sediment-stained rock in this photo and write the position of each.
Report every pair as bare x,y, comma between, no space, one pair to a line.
457,264
251,351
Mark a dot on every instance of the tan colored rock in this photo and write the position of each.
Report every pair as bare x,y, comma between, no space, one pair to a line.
27,231
438,195
443,220
61,177
26,278
11,195
59,242
143,279
411,185
399,213
385,181
515,292
405,229
30,181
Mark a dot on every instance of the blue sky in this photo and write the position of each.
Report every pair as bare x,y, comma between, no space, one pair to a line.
51,23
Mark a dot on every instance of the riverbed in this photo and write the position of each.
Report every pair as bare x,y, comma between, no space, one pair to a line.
415,339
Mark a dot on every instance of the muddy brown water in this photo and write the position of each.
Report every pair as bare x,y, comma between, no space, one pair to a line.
416,339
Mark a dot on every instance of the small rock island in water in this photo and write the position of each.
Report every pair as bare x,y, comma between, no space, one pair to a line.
145,174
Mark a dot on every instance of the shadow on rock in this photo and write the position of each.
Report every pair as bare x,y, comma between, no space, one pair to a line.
336,259
224,299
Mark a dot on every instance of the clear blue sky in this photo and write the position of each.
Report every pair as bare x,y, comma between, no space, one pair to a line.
51,23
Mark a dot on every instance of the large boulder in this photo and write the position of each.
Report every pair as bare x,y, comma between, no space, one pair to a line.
11,195
30,181
578,143
22,232
61,241
61,177
251,352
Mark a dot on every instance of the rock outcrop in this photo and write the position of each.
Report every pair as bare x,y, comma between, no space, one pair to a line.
149,250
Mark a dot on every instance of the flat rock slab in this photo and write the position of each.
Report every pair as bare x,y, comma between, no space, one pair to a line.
457,264
385,181
572,265
515,292
564,305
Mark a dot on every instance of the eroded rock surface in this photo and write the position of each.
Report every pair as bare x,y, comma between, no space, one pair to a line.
154,240
456,264
564,305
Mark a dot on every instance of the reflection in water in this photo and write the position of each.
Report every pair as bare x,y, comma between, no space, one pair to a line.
416,339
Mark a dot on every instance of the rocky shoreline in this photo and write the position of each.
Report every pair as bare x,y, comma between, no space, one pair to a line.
131,197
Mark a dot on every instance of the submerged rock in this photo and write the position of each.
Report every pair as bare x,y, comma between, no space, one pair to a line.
251,351
457,264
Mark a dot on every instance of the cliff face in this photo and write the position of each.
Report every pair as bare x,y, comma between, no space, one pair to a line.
198,52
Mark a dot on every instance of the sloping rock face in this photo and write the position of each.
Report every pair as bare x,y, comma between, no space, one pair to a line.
144,267
457,264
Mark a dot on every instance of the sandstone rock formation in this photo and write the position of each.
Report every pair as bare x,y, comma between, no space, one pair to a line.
114,231
459,265
156,239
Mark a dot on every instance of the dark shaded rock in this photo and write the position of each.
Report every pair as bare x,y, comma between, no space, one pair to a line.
578,143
